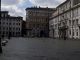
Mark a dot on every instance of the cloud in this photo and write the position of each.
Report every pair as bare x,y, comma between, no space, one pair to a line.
13,7
13,10
12,2
17,7
9,2
46,3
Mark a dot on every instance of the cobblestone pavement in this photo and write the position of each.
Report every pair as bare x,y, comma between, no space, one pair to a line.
41,49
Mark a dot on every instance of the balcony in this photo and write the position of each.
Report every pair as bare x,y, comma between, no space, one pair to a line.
63,27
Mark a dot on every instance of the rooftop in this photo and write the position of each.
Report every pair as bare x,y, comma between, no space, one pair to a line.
39,8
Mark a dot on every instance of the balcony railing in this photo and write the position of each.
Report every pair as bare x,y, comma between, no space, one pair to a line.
63,27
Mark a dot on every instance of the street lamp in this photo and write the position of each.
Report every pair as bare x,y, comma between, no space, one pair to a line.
0,45
48,22
0,38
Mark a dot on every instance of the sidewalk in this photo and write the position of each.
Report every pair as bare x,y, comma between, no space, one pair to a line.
65,39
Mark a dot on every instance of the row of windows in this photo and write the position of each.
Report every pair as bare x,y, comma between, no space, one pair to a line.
75,2
17,20
73,32
38,14
6,28
4,15
68,5
67,16
73,22
5,32
10,23
64,7
39,20
38,25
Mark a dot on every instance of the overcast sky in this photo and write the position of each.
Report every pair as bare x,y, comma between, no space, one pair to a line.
17,7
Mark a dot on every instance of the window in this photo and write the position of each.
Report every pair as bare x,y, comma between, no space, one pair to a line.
19,23
13,28
6,32
10,28
19,29
73,32
16,28
0,32
1,15
7,19
3,28
37,25
13,33
77,21
18,32
70,22
9,23
7,28
3,32
16,23
70,32
3,22
13,23
73,22
77,32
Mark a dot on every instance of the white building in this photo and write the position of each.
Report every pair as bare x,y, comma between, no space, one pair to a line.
65,22
10,25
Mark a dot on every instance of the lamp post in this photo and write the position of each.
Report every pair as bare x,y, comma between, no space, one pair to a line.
0,46
48,22
0,41
0,38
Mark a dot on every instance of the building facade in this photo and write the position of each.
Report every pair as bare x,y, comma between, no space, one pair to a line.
65,21
37,19
10,25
